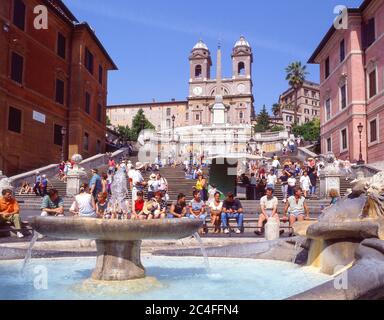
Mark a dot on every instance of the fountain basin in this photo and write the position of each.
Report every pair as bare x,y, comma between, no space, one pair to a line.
118,242
73,228
177,278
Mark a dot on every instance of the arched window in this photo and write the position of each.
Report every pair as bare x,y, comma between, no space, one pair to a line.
241,69
198,71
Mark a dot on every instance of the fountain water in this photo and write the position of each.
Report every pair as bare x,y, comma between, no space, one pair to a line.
203,251
119,190
29,252
298,244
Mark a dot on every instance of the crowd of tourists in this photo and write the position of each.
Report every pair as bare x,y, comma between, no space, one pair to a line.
148,199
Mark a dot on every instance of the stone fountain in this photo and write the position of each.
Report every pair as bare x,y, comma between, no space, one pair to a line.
118,242
350,235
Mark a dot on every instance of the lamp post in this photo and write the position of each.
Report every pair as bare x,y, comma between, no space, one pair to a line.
360,127
63,134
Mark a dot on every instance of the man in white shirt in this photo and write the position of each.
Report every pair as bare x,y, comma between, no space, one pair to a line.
138,182
268,207
275,165
291,185
271,180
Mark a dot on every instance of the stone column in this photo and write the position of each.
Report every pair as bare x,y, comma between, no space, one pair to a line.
329,181
74,176
118,261
73,183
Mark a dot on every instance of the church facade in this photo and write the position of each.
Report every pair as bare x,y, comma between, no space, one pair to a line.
235,93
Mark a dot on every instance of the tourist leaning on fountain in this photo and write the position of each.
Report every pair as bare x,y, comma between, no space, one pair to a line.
10,211
178,208
52,204
232,208
197,210
296,208
84,204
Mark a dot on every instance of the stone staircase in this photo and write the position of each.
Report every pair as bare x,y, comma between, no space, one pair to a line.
33,202
178,184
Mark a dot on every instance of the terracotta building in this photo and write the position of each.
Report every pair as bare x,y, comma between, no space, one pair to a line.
352,85
197,109
308,102
50,79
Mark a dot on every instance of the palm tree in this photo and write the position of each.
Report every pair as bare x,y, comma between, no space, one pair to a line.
296,74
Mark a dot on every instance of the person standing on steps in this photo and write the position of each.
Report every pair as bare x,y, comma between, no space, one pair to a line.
36,187
95,183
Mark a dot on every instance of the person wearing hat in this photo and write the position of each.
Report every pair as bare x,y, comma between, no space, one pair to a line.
138,182
153,185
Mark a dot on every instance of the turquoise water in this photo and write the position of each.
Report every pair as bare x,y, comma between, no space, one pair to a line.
170,278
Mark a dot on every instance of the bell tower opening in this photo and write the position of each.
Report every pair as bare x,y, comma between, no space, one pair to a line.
241,69
198,71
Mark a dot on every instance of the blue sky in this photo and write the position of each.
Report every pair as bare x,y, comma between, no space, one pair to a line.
150,41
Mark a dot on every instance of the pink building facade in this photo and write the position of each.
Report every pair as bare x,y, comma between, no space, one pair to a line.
352,85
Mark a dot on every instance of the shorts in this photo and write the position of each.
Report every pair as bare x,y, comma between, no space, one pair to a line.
297,213
201,217
269,212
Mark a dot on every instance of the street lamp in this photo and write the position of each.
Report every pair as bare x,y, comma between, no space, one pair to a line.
360,127
63,134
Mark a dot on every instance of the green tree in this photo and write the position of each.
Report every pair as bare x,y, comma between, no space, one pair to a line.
108,121
276,128
124,132
262,121
296,74
310,131
140,122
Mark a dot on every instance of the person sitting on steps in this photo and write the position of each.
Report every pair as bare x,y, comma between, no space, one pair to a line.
10,211
52,205
268,207
296,208
232,208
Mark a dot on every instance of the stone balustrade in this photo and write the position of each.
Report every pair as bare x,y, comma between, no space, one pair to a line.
52,169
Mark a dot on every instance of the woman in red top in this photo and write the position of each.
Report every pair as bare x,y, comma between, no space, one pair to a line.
137,208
